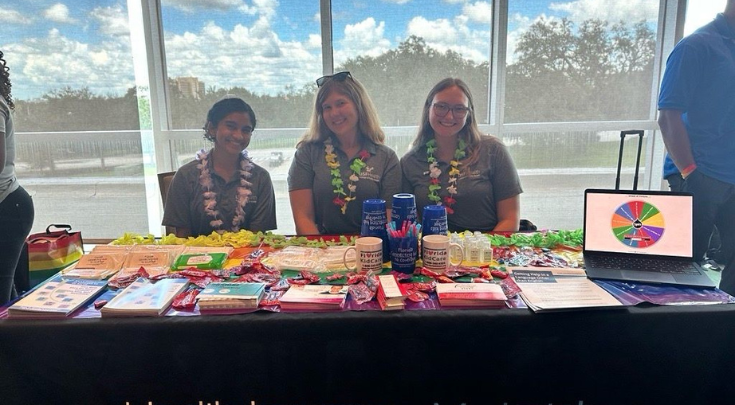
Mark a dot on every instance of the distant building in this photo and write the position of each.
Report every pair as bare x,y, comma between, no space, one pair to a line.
190,87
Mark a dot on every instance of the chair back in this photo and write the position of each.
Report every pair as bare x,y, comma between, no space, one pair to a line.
164,182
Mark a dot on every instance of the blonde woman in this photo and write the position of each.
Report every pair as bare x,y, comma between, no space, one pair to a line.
452,163
340,161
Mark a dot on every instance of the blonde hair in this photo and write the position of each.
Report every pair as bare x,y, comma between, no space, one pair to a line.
368,123
470,133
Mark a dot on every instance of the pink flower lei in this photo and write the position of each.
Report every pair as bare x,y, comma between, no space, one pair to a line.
210,197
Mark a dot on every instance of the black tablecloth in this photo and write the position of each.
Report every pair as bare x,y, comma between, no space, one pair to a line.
654,355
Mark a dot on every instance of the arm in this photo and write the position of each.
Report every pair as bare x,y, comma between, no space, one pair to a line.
302,207
3,129
182,232
676,138
2,150
391,183
509,214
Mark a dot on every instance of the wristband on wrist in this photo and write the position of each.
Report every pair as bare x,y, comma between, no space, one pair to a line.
688,170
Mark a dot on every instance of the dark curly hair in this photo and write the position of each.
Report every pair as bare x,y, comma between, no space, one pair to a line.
5,81
223,108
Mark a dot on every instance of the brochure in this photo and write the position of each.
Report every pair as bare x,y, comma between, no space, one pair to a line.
547,289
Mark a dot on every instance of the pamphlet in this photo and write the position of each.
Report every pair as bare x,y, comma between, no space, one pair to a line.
391,294
487,295
314,297
58,297
225,295
145,298
546,289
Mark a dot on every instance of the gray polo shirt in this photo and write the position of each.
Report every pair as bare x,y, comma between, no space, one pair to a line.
491,179
381,178
8,182
185,201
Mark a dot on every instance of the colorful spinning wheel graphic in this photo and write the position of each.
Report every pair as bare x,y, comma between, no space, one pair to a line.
638,224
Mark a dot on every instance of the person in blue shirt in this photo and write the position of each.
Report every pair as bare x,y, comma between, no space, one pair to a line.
697,120
715,250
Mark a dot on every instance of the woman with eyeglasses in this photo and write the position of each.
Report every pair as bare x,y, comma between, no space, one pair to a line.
340,161
222,190
451,163
16,206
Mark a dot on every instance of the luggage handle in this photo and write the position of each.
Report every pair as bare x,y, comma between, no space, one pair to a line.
59,226
623,134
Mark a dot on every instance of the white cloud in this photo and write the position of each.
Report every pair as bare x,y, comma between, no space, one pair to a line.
441,30
253,57
397,1
13,17
479,12
454,1
55,61
314,42
363,38
191,6
606,10
262,7
112,20
443,35
59,13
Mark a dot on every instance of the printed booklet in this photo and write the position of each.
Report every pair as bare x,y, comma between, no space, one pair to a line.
57,297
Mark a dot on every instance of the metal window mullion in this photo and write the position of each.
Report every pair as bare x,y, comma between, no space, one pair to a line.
327,42
498,57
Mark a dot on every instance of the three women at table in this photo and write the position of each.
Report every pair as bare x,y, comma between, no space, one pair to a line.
340,161
452,163
16,206
222,190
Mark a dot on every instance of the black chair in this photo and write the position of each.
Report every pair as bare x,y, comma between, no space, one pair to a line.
164,182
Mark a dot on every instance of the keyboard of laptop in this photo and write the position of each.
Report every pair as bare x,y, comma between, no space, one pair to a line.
643,264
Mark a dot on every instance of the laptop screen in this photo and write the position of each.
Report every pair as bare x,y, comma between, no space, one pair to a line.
638,222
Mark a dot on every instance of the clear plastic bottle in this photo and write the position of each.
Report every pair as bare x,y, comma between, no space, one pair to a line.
454,254
486,249
472,250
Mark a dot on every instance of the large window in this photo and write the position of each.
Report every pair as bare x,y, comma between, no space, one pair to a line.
78,143
97,118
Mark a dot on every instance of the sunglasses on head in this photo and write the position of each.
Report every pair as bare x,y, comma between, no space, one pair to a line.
340,77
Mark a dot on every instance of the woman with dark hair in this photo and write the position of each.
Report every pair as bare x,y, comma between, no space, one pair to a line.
222,190
16,206
451,163
340,161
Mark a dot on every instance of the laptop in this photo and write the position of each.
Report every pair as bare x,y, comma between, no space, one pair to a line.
641,236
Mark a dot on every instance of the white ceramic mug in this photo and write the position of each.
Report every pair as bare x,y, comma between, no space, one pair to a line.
369,254
435,252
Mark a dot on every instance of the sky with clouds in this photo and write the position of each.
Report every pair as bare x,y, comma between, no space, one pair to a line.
264,45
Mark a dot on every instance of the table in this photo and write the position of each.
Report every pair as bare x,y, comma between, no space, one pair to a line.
634,355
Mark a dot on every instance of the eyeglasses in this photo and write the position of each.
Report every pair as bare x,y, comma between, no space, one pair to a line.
340,77
459,111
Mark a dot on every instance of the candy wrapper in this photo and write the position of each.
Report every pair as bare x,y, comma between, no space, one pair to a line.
266,278
127,279
510,288
186,299
304,278
200,278
271,298
361,293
